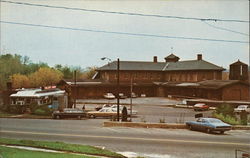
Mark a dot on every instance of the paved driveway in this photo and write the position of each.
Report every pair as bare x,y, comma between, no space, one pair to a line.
151,109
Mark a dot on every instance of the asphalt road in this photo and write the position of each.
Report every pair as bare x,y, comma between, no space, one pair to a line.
153,143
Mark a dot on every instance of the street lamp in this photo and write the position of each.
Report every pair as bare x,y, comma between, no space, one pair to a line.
106,58
117,84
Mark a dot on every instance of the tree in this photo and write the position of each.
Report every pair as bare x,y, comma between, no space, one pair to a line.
89,72
45,77
20,81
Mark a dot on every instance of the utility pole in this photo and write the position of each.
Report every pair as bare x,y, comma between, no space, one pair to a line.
131,91
118,89
75,89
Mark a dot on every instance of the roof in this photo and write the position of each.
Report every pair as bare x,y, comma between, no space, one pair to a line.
162,66
171,56
36,93
238,63
208,84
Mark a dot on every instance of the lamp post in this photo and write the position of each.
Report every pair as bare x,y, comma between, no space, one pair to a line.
118,89
117,85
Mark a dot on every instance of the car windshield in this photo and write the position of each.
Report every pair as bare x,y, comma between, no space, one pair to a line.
242,106
214,121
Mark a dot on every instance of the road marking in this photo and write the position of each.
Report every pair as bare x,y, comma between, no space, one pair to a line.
128,138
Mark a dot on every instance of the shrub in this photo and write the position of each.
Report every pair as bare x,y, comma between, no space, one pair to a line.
42,110
225,109
228,119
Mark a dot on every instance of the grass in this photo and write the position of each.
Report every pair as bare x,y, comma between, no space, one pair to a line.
61,146
8,152
5,114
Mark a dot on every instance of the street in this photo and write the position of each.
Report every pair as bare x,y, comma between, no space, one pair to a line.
145,142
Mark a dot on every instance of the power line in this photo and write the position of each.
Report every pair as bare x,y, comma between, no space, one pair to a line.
225,29
127,13
123,33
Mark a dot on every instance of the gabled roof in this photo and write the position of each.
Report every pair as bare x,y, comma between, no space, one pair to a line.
162,66
171,56
238,63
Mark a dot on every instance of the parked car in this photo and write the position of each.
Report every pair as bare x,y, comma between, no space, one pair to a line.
109,96
68,112
241,108
98,107
201,107
114,107
209,125
105,112
122,96
133,95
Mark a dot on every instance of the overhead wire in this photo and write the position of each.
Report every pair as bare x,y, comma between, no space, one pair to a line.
122,33
126,13
225,29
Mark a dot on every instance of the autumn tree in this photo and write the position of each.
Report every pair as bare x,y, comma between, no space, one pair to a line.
45,77
20,81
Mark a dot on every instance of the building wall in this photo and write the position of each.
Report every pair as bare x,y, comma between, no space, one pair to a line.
236,92
191,76
98,92
238,72
158,76
137,76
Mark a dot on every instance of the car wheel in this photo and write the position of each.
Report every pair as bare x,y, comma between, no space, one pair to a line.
208,130
190,127
221,132
57,117
79,117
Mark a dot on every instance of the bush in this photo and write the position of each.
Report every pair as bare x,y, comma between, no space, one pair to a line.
42,110
225,109
228,119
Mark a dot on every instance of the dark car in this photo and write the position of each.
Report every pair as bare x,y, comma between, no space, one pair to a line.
69,113
209,125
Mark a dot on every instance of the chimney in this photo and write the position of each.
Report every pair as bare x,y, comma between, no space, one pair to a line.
155,59
199,56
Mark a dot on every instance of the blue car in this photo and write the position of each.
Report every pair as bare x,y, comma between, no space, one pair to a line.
209,125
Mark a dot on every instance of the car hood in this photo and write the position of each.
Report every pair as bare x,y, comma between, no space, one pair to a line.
220,124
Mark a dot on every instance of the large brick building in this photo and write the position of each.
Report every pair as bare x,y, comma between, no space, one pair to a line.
172,70
191,78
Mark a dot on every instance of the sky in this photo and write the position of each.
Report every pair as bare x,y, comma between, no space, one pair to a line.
85,49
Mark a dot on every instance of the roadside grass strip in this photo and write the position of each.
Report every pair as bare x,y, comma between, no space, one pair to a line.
61,146
8,152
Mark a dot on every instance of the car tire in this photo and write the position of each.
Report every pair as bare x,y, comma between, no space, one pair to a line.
208,130
190,127
58,117
79,117
92,116
222,132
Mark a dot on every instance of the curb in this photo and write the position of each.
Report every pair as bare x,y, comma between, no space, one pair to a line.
158,125
145,125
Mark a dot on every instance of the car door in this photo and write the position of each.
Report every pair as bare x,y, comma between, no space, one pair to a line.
200,124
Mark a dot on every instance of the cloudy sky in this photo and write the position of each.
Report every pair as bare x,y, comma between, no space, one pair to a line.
84,48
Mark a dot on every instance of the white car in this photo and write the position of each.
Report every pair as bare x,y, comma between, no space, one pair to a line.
109,96
114,108
241,108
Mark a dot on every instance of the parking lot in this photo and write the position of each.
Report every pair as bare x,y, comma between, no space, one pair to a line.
154,109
